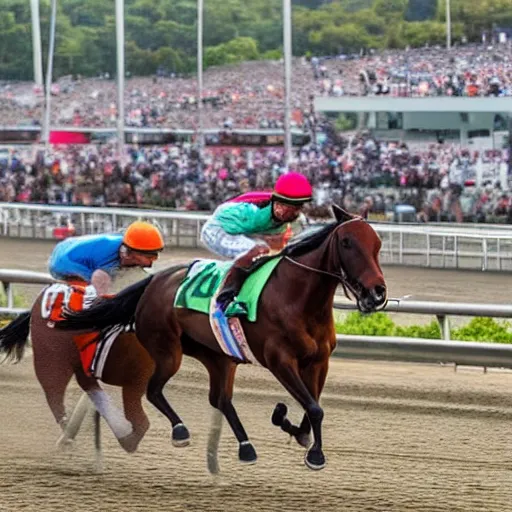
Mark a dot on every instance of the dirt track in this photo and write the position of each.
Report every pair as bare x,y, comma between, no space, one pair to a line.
397,437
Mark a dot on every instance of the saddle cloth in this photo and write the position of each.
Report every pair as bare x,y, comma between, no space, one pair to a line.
205,278
199,291
94,347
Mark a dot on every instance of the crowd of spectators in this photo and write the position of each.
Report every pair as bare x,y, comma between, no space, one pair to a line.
250,95
441,181
359,173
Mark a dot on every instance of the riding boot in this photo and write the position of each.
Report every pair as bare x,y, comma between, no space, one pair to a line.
232,286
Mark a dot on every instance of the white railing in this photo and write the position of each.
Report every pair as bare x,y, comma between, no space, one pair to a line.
374,347
9,277
429,245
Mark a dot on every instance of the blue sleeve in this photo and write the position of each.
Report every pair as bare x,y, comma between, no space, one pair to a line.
74,268
80,257
61,266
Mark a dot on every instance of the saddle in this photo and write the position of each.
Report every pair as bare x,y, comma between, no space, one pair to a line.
76,296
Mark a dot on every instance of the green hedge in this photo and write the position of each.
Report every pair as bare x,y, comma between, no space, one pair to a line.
379,324
19,302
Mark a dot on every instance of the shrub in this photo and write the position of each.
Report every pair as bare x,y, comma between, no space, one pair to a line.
379,324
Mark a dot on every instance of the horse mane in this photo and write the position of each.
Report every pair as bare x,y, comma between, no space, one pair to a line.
305,243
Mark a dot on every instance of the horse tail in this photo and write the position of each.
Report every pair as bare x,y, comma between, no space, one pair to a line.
14,338
106,312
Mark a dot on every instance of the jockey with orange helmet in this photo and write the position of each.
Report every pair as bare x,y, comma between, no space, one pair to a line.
238,228
95,258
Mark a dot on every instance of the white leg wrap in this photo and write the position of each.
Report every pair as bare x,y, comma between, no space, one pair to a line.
77,417
112,415
213,442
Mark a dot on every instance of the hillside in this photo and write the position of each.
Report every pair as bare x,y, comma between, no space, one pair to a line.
162,33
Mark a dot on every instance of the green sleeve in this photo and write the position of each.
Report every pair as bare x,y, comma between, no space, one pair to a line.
246,219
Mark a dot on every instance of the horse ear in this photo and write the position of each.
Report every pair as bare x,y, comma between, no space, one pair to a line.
340,214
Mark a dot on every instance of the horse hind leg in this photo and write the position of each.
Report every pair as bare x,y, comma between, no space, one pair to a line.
54,375
301,433
54,384
135,414
222,375
129,367
166,367
71,427
103,403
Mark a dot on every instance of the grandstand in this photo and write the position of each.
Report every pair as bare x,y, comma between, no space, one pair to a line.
479,123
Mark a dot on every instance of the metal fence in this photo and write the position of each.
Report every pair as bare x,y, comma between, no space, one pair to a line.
373,347
436,246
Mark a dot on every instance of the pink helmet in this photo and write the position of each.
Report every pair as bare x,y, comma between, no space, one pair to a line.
293,188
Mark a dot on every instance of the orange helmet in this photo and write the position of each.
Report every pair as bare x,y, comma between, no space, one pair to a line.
143,237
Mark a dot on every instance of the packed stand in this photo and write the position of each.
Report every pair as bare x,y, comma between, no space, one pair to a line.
361,174
250,95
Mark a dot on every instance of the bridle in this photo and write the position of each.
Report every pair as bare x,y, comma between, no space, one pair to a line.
342,277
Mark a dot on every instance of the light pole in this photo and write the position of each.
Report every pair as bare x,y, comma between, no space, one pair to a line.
49,73
120,75
287,49
200,7
36,43
448,25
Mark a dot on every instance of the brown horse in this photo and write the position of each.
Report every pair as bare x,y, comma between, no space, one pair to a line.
293,336
56,360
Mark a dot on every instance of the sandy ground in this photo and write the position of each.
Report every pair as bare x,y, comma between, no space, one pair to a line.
397,437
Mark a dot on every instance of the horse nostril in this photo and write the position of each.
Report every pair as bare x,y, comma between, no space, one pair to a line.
380,293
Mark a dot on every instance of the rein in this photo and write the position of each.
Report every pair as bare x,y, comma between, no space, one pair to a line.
342,276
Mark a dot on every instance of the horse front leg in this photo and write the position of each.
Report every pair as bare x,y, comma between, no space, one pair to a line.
286,370
221,370
301,433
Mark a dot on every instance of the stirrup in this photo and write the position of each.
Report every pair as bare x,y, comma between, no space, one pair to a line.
224,299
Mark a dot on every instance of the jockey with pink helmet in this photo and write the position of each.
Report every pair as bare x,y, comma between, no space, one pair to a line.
238,228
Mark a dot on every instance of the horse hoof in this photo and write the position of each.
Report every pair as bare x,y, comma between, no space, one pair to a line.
279,414
315,459
247,453
180,435
130,442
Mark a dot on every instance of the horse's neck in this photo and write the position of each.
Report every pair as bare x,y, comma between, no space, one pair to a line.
318,281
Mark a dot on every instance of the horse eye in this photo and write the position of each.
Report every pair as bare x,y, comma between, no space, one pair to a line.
346,243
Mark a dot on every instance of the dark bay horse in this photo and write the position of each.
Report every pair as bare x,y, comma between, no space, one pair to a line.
293,336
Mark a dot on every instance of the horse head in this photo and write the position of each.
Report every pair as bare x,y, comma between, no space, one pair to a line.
354,253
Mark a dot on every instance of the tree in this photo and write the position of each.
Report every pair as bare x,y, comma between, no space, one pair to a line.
422,33
346,122
70,48
139,62
164,32
390,8
421,10
334,40
169,59
237,50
